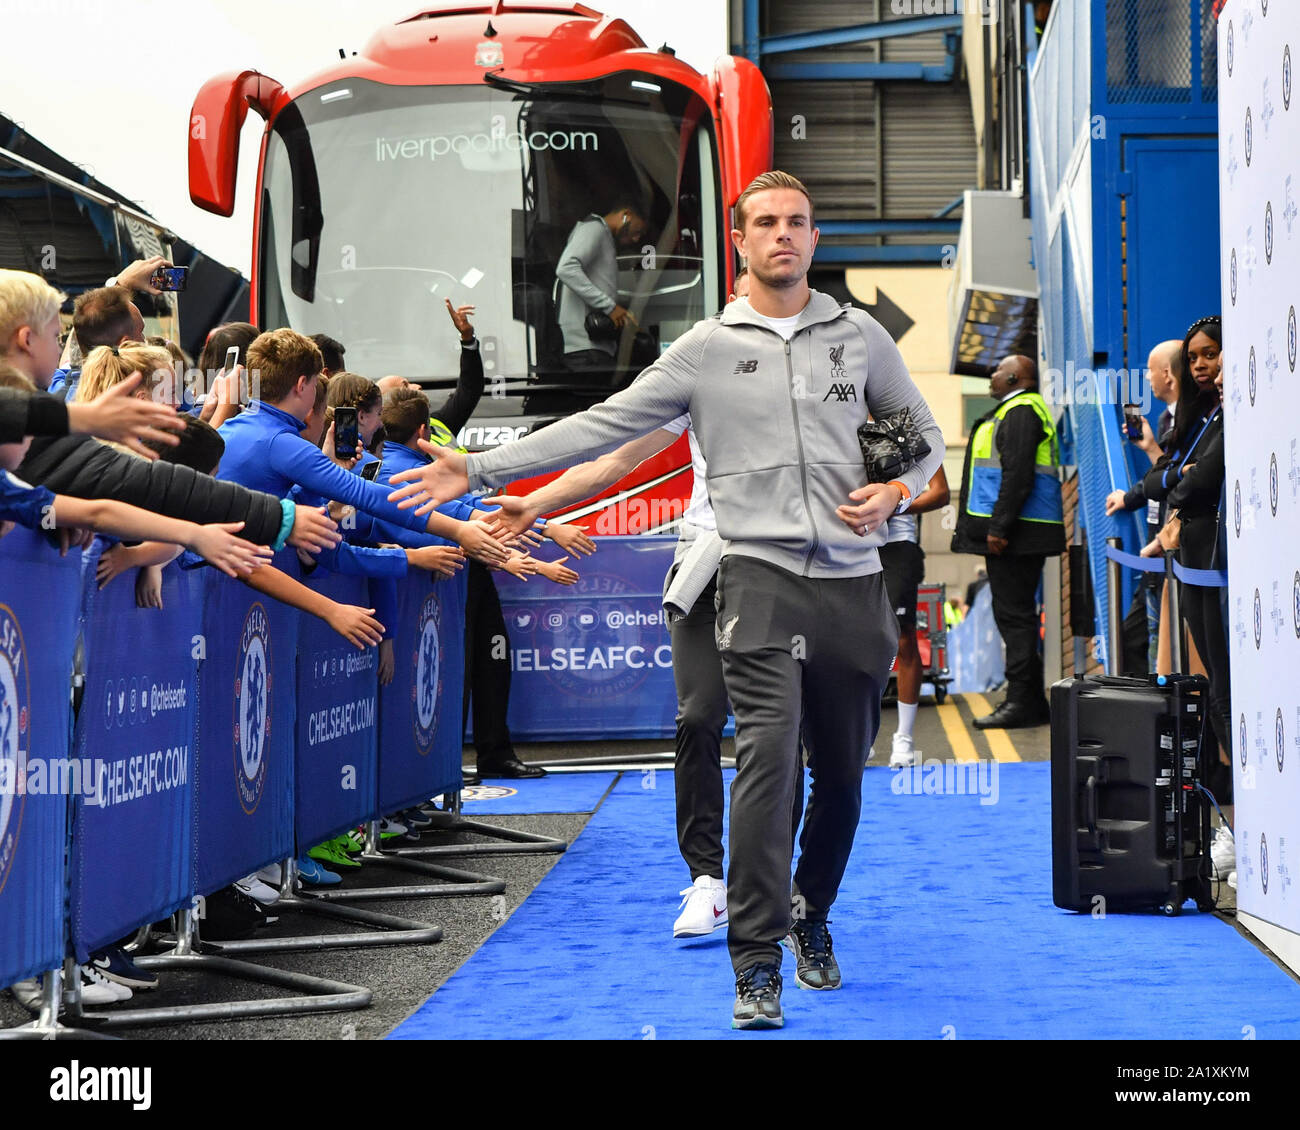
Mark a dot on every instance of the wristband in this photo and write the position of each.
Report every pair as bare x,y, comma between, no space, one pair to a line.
906,496
288,510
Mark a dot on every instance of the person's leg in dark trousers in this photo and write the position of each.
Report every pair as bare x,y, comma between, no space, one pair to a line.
774,628
701,716
1202,612
1135,634
1013,584
487,668
849,665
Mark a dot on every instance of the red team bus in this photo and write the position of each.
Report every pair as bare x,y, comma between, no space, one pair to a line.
451,159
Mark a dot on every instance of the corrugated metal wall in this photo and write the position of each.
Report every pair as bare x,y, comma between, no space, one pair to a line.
837,159
887,150
929,146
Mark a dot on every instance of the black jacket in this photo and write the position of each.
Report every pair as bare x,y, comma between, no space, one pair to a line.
460,405
1017,443
25,413
1136,496
85,468
1195,494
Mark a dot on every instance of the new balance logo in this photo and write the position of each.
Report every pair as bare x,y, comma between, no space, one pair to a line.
842,391
746,366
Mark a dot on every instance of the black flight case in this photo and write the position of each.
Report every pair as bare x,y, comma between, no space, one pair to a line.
1130,828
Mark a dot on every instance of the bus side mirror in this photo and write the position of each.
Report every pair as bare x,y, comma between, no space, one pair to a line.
744,108
216,117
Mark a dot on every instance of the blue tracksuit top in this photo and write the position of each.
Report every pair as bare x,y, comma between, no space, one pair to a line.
265,452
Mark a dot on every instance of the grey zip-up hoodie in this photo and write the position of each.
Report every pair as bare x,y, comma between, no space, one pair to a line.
776,422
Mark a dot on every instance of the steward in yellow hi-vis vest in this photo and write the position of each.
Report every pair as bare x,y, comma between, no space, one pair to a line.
1010,513
1011,481
443,436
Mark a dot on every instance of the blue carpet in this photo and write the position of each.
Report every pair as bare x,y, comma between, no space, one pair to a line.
944,926
558,792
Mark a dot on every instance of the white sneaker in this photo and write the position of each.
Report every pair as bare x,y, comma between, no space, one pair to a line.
703,909
96,989
270,874
254,888
1223,852
902,756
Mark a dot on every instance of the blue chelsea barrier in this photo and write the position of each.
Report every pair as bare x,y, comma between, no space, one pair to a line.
337,743
132,836
420,710
39,597
210,735
593,659
244,773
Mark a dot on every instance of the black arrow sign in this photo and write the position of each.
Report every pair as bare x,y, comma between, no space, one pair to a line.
889,315
887,312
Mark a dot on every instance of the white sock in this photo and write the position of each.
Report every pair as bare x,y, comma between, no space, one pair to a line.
906,717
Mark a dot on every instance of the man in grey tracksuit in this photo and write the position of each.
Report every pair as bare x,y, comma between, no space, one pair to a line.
588,276
776,388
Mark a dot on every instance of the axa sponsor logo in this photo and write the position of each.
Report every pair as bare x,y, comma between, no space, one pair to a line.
842,391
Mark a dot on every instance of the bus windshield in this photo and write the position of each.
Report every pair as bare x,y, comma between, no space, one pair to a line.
379,202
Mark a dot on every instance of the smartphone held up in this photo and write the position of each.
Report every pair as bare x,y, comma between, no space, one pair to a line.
170,278
347,433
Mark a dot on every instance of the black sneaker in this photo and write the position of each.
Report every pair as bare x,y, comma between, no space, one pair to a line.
114,964
230,915
758,998
816,966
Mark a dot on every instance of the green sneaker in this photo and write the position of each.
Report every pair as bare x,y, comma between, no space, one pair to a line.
329,853
353,842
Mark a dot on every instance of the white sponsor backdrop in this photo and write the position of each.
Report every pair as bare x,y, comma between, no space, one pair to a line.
1259,176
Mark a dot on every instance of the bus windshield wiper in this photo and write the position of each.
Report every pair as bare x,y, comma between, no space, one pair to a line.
581,92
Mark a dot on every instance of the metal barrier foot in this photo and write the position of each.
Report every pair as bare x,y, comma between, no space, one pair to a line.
461,883
46,1004
513,841
388,930
315,994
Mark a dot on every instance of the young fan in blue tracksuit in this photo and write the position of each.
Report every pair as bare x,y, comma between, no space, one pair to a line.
264,449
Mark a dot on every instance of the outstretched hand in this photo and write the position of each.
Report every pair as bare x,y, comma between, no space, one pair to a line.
460,319
429,486
119,414
515,515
